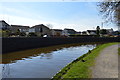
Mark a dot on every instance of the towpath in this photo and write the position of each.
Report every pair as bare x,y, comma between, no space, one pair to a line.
106,64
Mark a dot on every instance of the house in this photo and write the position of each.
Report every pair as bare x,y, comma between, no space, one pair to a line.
67,32
109,31
4,25
31,30
78,33
16,28
40,30
91,32
56,32
84,33
116,33
106,32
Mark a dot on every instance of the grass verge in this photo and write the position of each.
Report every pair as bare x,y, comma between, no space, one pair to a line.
80,68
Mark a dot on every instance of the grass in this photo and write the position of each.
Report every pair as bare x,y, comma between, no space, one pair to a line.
80,69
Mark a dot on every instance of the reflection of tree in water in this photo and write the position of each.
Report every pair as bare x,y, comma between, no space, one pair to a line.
47,56
6,71
50,55
91,46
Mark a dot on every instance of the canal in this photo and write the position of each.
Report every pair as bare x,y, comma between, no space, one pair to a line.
41,62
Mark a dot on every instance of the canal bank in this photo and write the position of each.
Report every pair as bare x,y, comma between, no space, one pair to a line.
41,62
80,68
19,55
19,44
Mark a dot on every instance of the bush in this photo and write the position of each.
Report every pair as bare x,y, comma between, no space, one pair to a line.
22,34
32,34
4,33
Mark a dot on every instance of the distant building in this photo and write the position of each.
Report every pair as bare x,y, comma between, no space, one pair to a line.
67,32
116,34
78,33
40,30
109,31
32,29
84,33
106,32
91,32
56,32
16,28
4,25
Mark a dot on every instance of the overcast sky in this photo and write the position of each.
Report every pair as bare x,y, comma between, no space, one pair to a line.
80,16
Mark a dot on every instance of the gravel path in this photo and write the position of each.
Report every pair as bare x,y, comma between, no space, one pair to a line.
106,65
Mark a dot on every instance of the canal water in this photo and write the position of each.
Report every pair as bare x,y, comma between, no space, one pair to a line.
41,62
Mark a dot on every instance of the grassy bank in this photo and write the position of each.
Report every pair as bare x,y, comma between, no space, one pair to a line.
80,68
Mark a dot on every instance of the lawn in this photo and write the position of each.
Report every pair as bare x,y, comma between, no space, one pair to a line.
80,68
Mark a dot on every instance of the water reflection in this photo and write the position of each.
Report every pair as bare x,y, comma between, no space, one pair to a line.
21,55
6,71
41,62
47,56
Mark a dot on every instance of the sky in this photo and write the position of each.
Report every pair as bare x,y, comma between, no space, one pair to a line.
80,16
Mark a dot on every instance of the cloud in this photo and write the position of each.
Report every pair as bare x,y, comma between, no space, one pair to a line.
16,20
22,13
21,20
52,0
23,17
78,26
76,21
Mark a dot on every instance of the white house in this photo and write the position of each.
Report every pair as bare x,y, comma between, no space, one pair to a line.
40,30
78,33
31,30
109,31
21,28
84,33
67,32
91,32
56,32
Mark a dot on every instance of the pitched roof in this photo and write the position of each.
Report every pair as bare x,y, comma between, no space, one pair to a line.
91,31
57,29
40,25
19,26
69,29
4,22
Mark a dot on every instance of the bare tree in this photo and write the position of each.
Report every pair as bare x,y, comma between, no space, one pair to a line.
49,26
110,10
